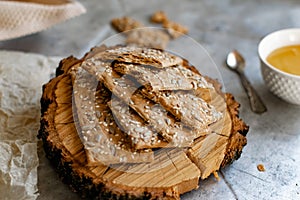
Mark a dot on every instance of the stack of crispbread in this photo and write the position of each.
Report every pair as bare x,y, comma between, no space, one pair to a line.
117,121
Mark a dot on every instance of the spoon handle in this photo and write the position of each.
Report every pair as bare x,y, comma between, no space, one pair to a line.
256,104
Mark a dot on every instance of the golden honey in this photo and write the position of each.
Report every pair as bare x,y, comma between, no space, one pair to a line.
286,59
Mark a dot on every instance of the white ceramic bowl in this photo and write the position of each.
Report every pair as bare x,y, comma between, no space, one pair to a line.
284,85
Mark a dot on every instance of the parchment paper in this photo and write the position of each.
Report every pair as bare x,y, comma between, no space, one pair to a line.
21,79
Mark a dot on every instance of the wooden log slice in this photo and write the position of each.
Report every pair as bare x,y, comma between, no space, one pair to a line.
172,172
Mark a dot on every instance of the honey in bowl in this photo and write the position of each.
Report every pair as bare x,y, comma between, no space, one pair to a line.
286,59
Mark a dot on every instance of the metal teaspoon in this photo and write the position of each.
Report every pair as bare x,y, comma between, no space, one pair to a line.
236,63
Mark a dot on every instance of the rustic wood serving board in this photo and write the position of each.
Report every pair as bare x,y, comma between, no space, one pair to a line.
173,171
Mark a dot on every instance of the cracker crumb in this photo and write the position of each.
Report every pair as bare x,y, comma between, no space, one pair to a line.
261,167
159,17
125,24
175,30
216,175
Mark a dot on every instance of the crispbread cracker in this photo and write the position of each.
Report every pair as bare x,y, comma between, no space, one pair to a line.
175,132
186,106
142,135
139,55
103,140
121,86
145,56
145,37
168,78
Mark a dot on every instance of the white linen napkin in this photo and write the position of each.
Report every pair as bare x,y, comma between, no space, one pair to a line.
22,17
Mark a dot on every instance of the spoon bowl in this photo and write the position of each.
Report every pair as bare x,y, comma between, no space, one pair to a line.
235,61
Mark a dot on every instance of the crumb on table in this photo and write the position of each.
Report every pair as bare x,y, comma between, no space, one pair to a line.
216,175
159,17
175,29
125,24
261,167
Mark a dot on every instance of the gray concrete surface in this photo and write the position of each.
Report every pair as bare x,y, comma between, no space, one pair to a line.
219,26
